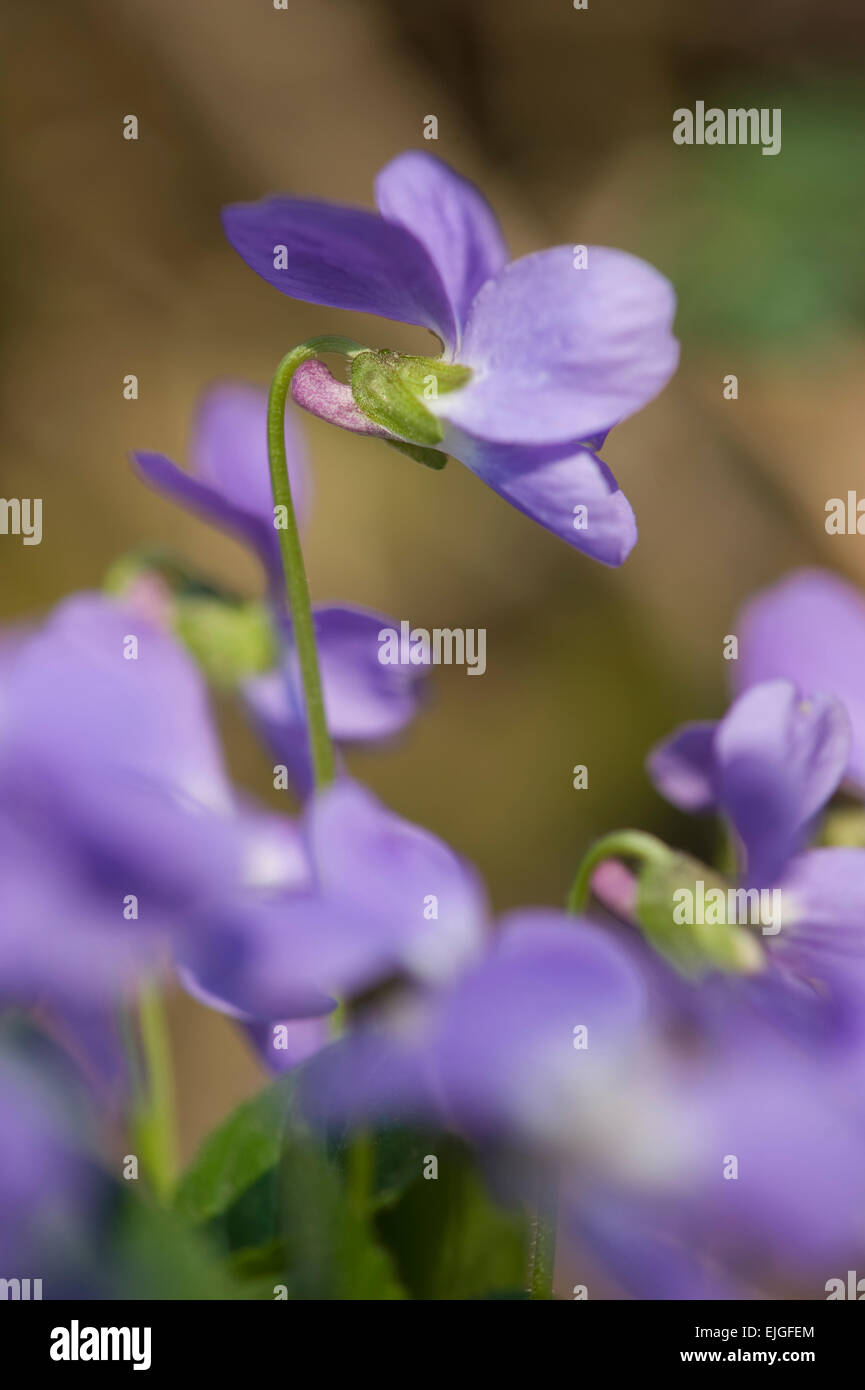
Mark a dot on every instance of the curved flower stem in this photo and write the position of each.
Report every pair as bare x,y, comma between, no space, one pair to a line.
296,585
621,844
156,1120
627,844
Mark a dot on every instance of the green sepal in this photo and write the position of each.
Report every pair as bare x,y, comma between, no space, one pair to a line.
229,637
390,389
694,949
229,641
430,458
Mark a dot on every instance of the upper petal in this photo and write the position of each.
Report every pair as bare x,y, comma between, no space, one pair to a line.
229,450
682,766
342,257
505,1034
560,353
364,700
565,488
809,628
428,900
229,484
78,706
823,914
450,217
779,758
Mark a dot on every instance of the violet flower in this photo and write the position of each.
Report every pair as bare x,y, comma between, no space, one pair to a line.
118,825
809,628
558,1059
541,356
229,485
769,767
46,1184
383,900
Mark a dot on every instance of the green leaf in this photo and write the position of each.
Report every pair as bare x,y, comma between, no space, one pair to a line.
330,1247
155,1255
448,1239
278,1203
398,1156
244,1149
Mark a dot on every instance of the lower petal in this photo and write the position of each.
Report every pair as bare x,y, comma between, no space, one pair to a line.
564,487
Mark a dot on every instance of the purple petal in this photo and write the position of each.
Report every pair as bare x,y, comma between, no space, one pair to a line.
648,1264
823,915
61,939
797,1139
230,480
118,760
390,899
810,629
505,1036
365,701
560,354
451,219
341,257
229,450
284,1045
76,708
566,489
779,758
371,861
44,1178
682,767
256,961
280,1046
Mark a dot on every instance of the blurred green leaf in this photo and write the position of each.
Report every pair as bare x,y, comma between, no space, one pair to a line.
270,1195
449,1240
767,248
242,1150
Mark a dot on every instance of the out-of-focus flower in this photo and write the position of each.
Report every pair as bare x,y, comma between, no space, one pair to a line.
118,824
541,356
770,766
693,1161
810,629
384,900
46,1182
229,485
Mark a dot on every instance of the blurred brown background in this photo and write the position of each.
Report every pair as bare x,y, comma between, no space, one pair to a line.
113,262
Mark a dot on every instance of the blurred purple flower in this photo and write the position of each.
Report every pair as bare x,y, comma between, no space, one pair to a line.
46,1184
117,820
810,629
229,485
384,900
770,766
554,1051
229,480
559,349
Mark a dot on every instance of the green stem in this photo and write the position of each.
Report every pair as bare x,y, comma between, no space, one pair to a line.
628,844
542,1253
621,844
296,585
156,1121
361,1171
